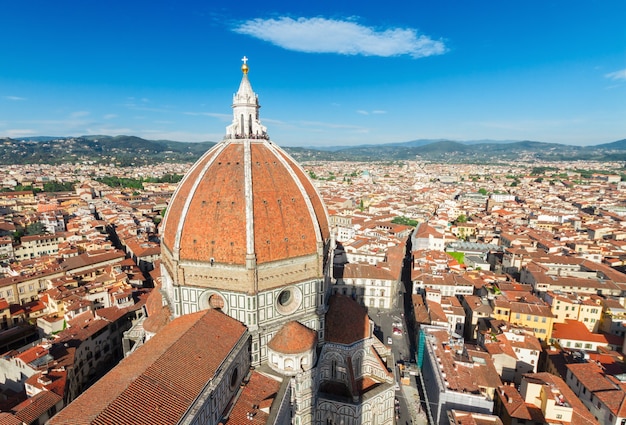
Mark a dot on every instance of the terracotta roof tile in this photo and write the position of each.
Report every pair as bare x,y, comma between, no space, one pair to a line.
580,416
575,330
255,399
34,407
214,225
9,419
158,314
144,388
293,338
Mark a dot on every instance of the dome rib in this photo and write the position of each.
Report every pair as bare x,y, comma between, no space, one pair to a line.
249,195
179,231
303,192
175,209
319,211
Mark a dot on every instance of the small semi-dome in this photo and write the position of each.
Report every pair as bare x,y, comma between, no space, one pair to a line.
292,349
293,338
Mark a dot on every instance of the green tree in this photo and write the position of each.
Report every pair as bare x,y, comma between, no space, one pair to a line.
55,186
482,191
36,228
122,182
404,220
17,235
458,256
461,219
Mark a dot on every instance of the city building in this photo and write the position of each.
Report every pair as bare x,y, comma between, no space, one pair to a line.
542,399
457,376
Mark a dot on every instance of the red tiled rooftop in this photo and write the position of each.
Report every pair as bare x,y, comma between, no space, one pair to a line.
34,407
158,315
144,388
575,330
256,398
9,419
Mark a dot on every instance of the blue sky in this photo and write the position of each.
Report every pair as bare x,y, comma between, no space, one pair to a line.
327,73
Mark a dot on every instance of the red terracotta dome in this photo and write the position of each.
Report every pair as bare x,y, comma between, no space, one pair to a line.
245,197
293,338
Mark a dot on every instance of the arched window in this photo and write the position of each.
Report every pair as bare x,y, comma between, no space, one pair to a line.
357,362
289,363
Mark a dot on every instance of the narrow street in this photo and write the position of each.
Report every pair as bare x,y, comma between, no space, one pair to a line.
408,410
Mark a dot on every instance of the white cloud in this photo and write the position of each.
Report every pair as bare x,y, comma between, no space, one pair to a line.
273,121
617,75
182,136
136,107
14,98
79,114
221,117
19,132
320,35
109,131
110,116
525,124
333,126
374,112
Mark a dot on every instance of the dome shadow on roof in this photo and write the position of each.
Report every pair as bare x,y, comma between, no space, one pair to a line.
346,321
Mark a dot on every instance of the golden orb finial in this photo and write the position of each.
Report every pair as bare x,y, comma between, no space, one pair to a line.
244,67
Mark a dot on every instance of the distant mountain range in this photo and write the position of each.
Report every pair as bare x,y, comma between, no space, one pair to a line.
131,150
412,143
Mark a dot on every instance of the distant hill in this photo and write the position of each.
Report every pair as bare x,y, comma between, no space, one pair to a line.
617,145
132,150
120,150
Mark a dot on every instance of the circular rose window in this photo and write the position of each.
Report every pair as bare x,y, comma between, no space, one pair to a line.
288,300
216,302
212,300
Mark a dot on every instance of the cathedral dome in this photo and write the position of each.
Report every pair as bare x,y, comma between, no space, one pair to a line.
208,216
246,203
